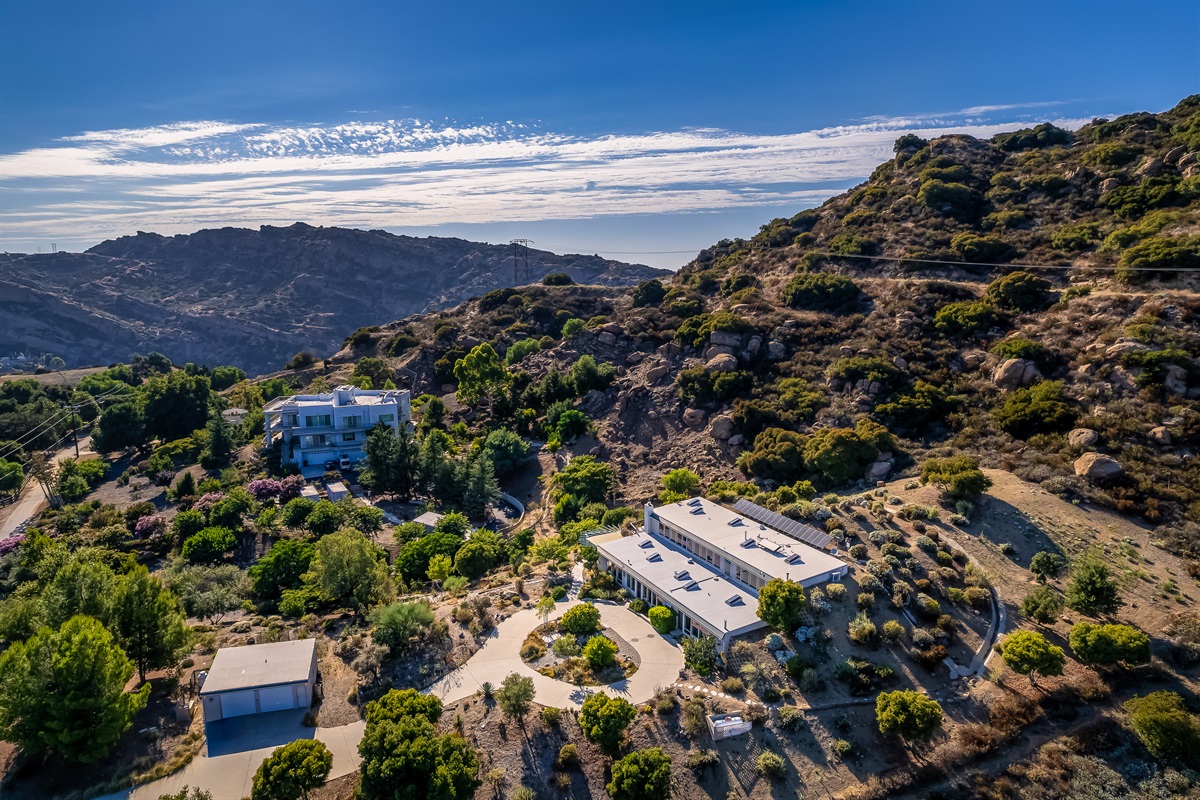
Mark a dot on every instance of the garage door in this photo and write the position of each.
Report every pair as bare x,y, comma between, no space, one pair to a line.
276,698
237,704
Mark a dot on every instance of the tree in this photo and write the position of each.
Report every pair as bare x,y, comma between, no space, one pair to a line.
907,714
1166,728
433,414
643,775
505,449
149,621
368,519
12,475
514,696
821,291
600,652
545,607
604,719
1047,564
348,568
1043,604
439,568
281,568
478,555
324,519
701,653
392,460
413,561
292,771
64,691
404,758
1108,645
396,624
296,511
83,585
481,490
781,604
121,425
174,405
219,448
958,477
208,545
1028,653
662,618
1042,408
188,793
376,369
581,619
481,375
184,487
1091,590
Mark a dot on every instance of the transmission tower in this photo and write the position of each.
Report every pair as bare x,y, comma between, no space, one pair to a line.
520,260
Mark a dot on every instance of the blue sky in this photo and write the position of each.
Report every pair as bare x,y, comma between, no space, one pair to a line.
623,128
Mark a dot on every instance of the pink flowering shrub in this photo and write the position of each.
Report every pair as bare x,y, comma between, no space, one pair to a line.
205,503
150,527
265,489
290,487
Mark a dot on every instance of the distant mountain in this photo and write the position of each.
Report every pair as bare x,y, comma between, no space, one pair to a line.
252,298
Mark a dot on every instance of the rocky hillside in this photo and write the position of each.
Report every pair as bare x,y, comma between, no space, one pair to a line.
783,359
252,298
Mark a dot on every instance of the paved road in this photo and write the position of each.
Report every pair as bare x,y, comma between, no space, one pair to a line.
32,498
661,660
243,746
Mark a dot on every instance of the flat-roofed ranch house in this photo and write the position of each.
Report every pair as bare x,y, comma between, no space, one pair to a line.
316,428
707,562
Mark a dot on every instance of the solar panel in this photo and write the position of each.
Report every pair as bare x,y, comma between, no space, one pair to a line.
797,530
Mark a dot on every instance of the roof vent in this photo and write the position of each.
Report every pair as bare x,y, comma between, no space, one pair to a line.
736,522
735,600
654,557
748,543
692,586
694,502
697,510
681,574
793,559
646,544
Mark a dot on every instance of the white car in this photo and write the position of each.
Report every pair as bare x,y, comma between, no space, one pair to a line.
345,462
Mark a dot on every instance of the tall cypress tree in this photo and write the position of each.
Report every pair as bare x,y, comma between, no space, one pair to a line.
149,621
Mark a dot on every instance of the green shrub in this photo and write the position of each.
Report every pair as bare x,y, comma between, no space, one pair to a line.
581,619
1042,408
600,652
974,248
1020,347
951,198
958,476
649,293
558,279
208,545
966,317
821,291
771,765
1165,727
1020,291
662,618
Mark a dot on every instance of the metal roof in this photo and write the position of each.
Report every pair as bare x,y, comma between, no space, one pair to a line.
797,530
257,665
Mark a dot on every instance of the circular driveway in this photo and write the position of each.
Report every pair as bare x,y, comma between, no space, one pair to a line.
500,656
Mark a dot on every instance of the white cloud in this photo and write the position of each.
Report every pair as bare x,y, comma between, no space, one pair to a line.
180,177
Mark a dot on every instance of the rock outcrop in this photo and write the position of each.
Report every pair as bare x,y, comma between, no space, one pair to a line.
1098,467
1015,373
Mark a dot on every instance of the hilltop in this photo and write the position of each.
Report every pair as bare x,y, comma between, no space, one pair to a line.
252,298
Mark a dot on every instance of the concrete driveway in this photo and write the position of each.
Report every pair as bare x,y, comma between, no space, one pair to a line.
661,660
235,748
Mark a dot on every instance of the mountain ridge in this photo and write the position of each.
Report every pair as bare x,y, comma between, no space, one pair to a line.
253,297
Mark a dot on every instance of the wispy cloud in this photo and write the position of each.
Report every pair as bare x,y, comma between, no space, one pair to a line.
398,173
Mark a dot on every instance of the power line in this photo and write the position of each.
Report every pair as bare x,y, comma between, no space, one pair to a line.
1007,264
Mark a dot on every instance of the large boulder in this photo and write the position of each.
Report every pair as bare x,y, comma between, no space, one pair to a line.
1175,380
1125,346
606,337
725,339
1083,437
1098,467
722,427
1174,154
1160,435
1108,184
878,470
1149,168
776,351
1015,373
693,417
722,363
657,373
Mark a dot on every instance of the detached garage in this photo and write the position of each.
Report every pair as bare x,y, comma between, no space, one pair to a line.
260,678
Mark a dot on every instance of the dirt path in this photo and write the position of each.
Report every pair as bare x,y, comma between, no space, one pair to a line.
32,499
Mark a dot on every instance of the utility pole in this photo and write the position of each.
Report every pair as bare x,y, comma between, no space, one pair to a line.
520,251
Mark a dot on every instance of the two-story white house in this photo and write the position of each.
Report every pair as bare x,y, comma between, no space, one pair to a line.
316,428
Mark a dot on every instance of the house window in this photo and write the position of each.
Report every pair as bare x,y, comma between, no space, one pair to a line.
387,419
352,422
290,420
320,440
316,421
347,437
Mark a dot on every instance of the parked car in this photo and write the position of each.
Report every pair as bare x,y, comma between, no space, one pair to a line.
331,465
345,462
